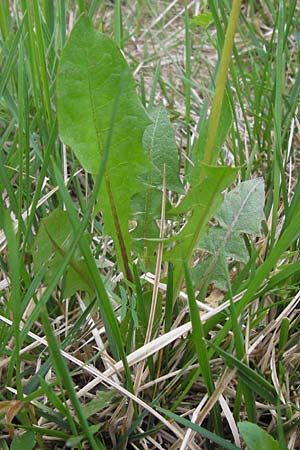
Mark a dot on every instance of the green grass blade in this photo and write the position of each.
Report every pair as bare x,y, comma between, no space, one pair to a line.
223,443
280,58
14,301
93,8
63,372
256,381
5,19
118,24
156,77
209,151
187,84
198,337
62,21
240,347
11,58
42,60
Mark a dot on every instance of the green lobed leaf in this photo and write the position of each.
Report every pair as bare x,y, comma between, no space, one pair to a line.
241,212
92,75
201,203
50,245
159,143
256,438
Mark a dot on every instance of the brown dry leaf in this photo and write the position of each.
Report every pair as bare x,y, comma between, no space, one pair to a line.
11,409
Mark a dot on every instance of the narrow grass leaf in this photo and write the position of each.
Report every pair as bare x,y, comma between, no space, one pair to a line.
187,82
202,431
210,153
200,345
118,24
15,297
278,163
63,372
11,58
240,350
252,378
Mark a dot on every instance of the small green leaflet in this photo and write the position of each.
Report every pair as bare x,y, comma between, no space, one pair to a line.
102,400
256,438
51,244
241,212
202,20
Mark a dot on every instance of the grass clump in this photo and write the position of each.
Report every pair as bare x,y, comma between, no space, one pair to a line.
149,242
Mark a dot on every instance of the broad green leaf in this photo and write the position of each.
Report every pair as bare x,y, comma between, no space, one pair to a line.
77,279
50,245
201,203
93,85
24,442
159,143
256,438
241,212
102,400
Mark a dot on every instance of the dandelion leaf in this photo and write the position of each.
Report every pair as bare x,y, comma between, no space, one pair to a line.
159,143
200,204
241,212
50,246
94,84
